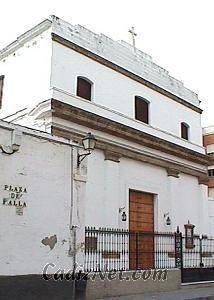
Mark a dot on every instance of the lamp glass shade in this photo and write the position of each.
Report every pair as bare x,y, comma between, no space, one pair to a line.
89,142
124,216
168,221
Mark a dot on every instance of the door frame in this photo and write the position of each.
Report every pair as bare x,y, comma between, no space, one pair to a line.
155,199
134,237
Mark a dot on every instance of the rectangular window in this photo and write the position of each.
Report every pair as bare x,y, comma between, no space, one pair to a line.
83,88
211,173
141,110
184,131
1,89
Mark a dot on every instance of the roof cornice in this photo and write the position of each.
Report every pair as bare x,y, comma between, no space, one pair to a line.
25,37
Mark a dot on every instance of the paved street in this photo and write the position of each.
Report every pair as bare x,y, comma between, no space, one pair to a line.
201,291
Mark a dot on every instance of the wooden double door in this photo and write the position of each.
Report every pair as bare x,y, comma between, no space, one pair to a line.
141,227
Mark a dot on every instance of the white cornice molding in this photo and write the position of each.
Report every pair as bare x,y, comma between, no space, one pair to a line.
172,168
137,150
41,109
25,37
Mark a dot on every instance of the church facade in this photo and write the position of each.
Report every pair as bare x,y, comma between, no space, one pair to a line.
148,171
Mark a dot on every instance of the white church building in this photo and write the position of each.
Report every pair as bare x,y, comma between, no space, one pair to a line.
148,171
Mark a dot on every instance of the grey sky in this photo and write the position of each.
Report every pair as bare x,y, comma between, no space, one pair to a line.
178,34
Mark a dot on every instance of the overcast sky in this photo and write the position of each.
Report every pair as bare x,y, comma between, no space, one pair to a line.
178,34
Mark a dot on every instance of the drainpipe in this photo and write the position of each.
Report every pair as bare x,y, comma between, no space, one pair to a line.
72,228
70,251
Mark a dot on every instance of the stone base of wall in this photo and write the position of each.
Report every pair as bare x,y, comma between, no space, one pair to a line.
98,288
34,287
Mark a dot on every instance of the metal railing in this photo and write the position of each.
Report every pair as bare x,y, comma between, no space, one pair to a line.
117,249
200,255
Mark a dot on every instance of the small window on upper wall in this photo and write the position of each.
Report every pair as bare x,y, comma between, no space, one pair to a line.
1,88
84,87
185,131
211,173
141,109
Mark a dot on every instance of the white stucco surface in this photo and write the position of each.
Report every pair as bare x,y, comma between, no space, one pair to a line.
117,92
62,199
27,74
129,121
112,182
44,169
124,55
33,65
108,184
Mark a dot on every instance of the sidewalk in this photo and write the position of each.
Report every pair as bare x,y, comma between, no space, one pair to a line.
199,292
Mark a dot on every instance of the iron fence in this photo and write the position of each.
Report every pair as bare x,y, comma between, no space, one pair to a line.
197,259
200,255
116,249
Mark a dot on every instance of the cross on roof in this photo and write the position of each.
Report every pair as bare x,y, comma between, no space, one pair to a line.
134,34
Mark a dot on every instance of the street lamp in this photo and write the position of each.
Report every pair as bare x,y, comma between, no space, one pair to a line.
88,142
124,216
167,219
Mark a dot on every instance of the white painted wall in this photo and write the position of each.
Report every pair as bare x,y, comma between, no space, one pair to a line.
108,185
211,193
116,91
208,130
211,213
44,169
28,70
27,74
99,189
210,148
121,118
122,54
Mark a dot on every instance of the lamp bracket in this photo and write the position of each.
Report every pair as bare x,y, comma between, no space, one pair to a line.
81,157
121,209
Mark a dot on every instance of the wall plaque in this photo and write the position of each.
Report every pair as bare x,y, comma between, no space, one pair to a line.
15,197
189,235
